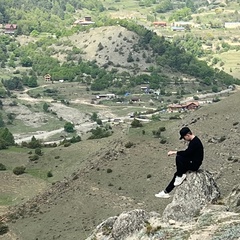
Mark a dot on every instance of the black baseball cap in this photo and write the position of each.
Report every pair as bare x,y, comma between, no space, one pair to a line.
183,132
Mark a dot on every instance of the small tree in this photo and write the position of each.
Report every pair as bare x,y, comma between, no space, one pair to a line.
45,107
136,123
35,143
100,46
94,117
69,127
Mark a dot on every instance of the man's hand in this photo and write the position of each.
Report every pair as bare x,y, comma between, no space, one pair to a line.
171,153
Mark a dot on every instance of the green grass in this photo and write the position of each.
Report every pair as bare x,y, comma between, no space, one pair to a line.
14,149
38,173
5,200
231,61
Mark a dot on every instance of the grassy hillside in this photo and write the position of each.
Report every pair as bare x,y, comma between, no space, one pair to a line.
103,177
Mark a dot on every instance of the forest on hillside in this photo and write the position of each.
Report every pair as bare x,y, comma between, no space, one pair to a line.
55,18
26,63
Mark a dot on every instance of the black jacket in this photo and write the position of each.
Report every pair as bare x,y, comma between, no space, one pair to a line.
194,152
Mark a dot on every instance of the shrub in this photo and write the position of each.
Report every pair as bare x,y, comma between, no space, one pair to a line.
100,132
195,97
19,170
163,141
34,143
3,228
67,144
38,151
69,127
129,144
162,129
49,174
34,157
158,132
136,123
2,167
99,121
75,139
109,170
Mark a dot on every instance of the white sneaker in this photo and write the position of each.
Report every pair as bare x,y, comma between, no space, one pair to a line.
179,180
162,194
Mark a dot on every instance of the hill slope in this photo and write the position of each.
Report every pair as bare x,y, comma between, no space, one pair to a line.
109,178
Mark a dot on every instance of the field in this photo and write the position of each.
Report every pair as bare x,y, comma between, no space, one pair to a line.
231,61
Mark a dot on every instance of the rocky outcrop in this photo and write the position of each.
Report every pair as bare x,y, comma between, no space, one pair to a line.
213,220
189,202
233,200
124,226
196,191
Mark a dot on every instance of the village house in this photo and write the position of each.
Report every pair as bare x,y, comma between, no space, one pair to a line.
189,106
106,96
10,28
135,99
83,22
178,29
47,77
160,24
183,24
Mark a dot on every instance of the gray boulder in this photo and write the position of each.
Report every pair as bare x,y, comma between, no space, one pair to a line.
123,226
191,196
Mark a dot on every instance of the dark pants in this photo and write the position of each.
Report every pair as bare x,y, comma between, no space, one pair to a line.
183,165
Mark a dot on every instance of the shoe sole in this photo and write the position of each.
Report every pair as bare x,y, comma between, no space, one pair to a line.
162,196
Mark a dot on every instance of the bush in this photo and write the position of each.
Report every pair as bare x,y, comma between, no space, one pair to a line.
163,141
49,174
162,129
129,144
109,170
34,143
158,132
136,123
3,228
75,139
99,132
19,170
34,157
69,127
2,167
38,151
99,121
67,144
